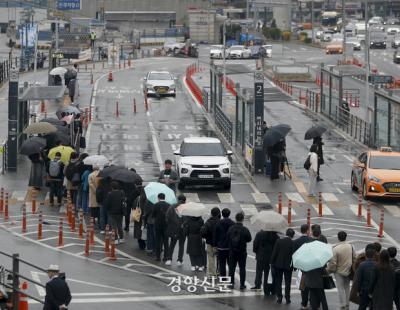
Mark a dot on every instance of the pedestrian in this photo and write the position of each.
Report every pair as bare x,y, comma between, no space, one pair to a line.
281,262
58,295
72,176
304,238
55,177
175,231
396,268
238,236
195,246
312,171
265,127
114,204
160,226
36,176
138,208
318,142
221,241
131,192
71,89
168,176
317,233
149,224
85,193
93,37
364,278
382,285
93,182
101,191
278,158
340,265
207,232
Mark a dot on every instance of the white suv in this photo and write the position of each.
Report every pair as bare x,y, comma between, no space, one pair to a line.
203,161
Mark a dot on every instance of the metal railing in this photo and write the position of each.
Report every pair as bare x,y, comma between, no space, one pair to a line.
224,124
13,285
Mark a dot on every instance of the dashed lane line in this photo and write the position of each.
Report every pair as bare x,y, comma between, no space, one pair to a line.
225,197
260,198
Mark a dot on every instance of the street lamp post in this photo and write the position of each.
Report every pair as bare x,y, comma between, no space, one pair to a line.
367,63
224,49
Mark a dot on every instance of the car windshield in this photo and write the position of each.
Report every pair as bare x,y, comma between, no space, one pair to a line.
385,162
236,48
216,47
159,76
202,149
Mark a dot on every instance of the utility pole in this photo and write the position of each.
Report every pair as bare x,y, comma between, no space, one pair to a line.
367,64
224,50
344,30
312,21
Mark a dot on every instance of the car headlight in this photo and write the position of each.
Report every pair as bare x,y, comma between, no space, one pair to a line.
225,170
373,178
184,170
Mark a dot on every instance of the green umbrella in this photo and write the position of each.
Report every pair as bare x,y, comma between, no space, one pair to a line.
154,188
312,255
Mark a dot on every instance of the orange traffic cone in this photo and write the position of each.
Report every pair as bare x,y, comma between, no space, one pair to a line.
23,299
110,76
42,106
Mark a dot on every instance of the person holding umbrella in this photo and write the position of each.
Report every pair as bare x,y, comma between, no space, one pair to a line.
114,204
315,133
312,170
55,169
160,227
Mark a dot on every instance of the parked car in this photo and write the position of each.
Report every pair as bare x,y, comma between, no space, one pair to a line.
238,51
396,57
159,83
393,30
203,161
396,41
173,45
216,51
268,50
376,173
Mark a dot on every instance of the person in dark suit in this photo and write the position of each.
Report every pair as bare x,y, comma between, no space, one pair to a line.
304,238
58,295
281,261
160,226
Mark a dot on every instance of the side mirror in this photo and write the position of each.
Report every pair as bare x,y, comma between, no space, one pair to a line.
177,152
229,153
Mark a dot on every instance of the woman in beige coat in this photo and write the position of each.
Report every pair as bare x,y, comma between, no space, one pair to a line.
93,205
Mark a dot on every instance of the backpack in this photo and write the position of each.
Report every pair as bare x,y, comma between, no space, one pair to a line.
69,171
236,240
54,168
307,163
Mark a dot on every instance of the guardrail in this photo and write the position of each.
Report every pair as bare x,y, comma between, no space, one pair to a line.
224,124
196,91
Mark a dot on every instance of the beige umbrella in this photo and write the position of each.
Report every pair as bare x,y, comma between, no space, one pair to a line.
40,128
270,221
191,209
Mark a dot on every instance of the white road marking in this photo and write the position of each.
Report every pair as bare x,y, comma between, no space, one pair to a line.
249,209
285,210
325,209
156,146
300,187
225,197
194,197
348,158
260,198
339,190
19,195
393,210
295,197
329,197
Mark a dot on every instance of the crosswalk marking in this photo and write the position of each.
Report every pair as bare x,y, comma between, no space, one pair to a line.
19,195
225,197
260,198
329,197
194,197
300,187
295,197
285,211
249,209
393,210
325,209
354,209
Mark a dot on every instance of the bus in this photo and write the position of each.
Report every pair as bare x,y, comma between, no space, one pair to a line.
330,19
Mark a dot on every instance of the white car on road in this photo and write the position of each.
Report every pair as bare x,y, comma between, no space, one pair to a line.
268,50
203,161
216,51
238,51
159,83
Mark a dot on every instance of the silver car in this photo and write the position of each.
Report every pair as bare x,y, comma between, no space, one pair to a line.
159,83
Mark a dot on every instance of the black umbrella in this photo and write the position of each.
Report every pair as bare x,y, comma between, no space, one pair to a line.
275,133
53,121
33,145
67,109
57,136
314,131
63,129
125,176
107,171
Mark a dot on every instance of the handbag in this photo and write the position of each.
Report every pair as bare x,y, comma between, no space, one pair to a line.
136,213
328,282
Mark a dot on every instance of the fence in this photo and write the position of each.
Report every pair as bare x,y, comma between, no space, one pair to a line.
224,124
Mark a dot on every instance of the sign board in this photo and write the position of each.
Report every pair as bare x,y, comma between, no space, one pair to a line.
259,156
27,35
13,75
380,79
69,4
248,156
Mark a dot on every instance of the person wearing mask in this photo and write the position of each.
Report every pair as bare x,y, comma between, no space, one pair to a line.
318,142
238,236
92,184
58,294
396,268
221,241
168,176
340,265
382,285
281,261
364,278
207,232
313,171
55,169
160,227
277,154
175,232
304,238
114,204
195,246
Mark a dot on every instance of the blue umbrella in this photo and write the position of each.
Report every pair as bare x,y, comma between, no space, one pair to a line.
312,255
154,188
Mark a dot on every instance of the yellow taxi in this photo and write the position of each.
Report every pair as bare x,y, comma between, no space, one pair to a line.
377,173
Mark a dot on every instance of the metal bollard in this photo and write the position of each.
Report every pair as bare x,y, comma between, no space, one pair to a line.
369,215
359,213
320,204
40,225
280,202
6,208
289,215
60,233
23,219
381,222
2,200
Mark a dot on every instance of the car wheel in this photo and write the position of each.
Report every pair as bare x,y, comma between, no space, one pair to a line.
364,191
353,183
174,95
181,186
227,185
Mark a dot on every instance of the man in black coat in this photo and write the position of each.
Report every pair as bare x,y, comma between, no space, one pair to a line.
58,295
238,237
281,260
304,238
160,226
396,267
114,204
364,278
207,232
221,240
